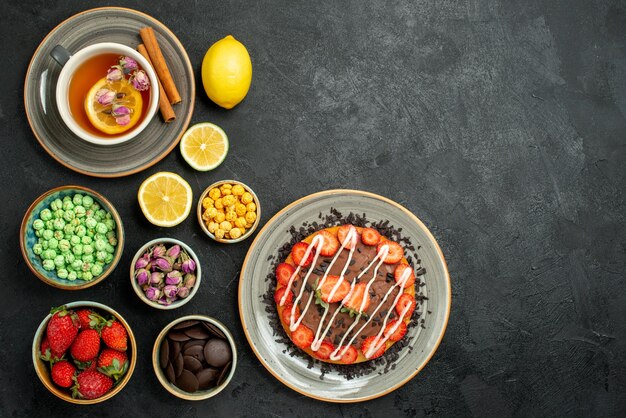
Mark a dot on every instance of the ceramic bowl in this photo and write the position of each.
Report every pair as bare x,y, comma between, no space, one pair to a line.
168,243
28,238
201,394
42,368
249,232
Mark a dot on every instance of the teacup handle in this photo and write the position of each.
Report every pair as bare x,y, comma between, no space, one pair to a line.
60,55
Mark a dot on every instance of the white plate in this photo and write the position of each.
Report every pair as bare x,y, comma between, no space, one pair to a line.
293,370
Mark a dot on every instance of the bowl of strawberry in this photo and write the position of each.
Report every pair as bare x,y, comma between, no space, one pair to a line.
84,352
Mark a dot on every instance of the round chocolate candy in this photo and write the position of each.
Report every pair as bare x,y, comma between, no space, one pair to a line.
185,324
192,364
169,373
214,330
164,353
178,336
178,364
206,377
197,333
217,352
191,343
174,350
196,351
187,381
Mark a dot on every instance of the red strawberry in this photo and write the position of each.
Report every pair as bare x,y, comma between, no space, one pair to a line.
365,345
327,287
350,356
297,254
113,363
284,272
62,329
325,350
370,236
330,245
279,295
91,385
397,275
62,373
395,254
302,336
405,300
46,354
398,333
86,345
342,233
355,299
115,336
287,314
86,318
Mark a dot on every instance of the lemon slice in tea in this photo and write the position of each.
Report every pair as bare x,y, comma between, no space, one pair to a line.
101,116
204,146
165,199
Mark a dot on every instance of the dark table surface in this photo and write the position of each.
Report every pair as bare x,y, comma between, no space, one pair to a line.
500,124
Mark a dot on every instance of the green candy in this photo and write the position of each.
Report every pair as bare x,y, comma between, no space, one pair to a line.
95,206
87,276
109,248
77,265
64,245
110,224
100,245
58,224
59,261
48,265
108,259
57,214
68,205
44,244
69,215
47,234
80,231
58,235
86,240
38,224
62,273
88,258
37,249
113,241
88,249
102,214
45,215
87,201
101,228
56,204
96,270
77,249
71,275
79,274
101,256
69,229
66,199
77,199
38,233
86,266
75,222
79,211
69,258
74,240
90,223
48,254
53,243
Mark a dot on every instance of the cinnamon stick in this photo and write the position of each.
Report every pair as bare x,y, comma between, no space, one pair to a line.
166,108
159,64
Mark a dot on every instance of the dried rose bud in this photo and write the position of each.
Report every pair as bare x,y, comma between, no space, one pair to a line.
173,252
153,293
140,81
105,97
142,276
121,114
115,73
142,263
183,292
173,278
189,266
164,301
156,278
163,264
170,291
159,251
128,64
189,280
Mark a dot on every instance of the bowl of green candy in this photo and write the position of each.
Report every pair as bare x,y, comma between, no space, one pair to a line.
71,237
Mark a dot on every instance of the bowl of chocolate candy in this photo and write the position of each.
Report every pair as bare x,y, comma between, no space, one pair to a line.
194,357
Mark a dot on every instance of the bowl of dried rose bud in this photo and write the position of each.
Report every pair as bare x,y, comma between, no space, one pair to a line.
165,273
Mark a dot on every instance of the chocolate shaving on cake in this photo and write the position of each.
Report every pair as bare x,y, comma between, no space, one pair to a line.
349,371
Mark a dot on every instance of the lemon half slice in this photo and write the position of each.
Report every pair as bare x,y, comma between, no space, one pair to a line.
204,146
165,199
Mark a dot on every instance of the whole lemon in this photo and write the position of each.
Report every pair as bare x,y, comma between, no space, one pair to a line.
227,72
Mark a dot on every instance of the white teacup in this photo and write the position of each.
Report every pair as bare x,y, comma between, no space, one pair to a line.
71,63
